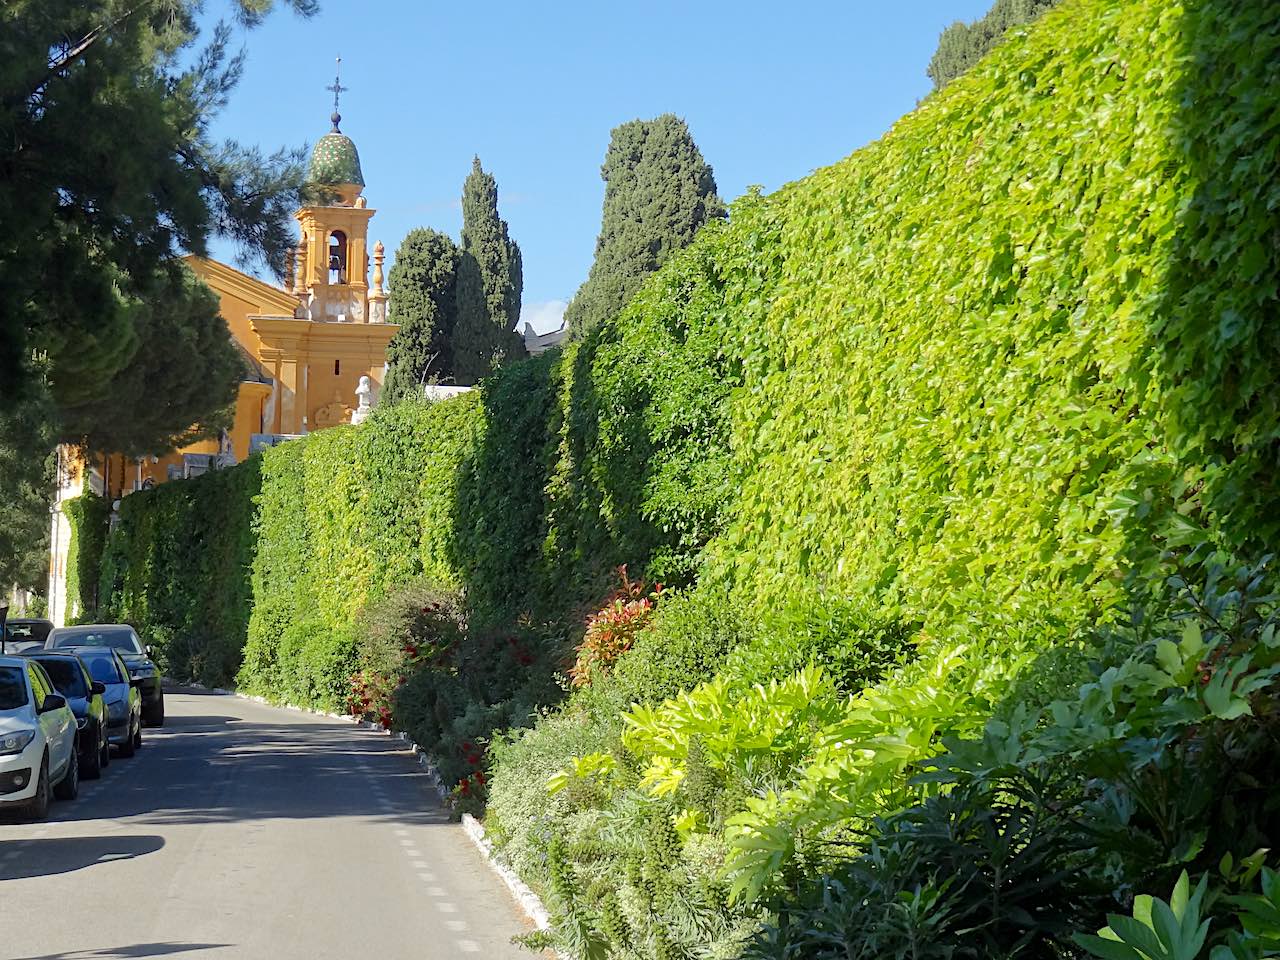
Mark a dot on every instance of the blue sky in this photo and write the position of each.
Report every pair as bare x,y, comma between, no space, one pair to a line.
770,91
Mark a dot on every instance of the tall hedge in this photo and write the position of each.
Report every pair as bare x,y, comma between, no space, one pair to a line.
87,517
177,567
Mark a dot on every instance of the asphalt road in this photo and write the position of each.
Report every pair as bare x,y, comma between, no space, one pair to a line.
244,832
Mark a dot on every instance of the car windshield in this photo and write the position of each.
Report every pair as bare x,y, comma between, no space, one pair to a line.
102,667
121,638
28,630
13,691
65,674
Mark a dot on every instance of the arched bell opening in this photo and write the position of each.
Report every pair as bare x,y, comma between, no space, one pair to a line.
337,257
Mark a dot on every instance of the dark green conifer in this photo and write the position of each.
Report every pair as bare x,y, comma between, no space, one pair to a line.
962,45
490,280
658,192
423,289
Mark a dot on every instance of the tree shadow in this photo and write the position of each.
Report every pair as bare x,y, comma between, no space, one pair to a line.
169,948
24,859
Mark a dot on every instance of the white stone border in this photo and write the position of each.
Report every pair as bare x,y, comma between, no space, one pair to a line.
526,899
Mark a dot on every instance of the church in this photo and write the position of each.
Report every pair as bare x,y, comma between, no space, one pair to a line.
306,347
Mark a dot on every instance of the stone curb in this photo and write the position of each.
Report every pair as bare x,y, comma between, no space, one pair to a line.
529,901
526,899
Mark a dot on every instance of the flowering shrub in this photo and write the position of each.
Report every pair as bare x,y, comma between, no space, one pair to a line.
612,630
415,625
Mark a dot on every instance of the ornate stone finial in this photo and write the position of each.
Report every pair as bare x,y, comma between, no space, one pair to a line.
364,407
300,268
378,295
379,253
337,89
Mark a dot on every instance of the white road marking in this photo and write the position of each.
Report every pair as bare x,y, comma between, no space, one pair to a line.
468,946
457,926
436,892
446,907
406,842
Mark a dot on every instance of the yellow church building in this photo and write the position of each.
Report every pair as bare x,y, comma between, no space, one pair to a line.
306,347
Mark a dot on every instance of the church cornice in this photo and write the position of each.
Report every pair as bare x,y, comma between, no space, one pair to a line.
225,279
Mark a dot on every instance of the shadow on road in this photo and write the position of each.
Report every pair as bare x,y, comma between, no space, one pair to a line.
136,950
213,767
43,858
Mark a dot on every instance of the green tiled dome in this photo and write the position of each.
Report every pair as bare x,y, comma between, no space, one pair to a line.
334,161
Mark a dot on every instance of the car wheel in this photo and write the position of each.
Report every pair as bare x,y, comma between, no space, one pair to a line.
137,735
93,765
69,785
38,806
154,717
127,747
105,750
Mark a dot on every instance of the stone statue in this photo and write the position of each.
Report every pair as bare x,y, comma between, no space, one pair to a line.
364,393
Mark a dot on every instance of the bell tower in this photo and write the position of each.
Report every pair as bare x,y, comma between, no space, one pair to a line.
332,282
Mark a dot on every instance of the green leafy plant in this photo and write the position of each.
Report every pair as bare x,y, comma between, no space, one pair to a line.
613,629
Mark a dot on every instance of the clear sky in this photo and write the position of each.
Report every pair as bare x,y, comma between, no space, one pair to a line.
770,91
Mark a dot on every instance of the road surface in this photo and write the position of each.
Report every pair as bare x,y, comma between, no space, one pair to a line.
245,832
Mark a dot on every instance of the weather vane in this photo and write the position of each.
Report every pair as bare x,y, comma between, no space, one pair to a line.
337,89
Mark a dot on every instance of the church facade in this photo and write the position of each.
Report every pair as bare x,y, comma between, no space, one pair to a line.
306,347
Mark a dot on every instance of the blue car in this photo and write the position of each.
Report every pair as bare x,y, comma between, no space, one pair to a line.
119,693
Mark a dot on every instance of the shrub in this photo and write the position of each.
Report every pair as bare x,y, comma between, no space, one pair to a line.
686,641
613,629
416,623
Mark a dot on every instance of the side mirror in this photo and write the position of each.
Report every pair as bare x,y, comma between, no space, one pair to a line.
97,688
53,701
149,649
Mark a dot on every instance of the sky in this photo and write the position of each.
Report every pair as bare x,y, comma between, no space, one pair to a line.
771,92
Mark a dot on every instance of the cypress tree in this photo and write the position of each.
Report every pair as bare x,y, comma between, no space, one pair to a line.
962,45
423,289
658,192
490,280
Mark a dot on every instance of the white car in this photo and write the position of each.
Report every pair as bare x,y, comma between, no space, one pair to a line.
37,739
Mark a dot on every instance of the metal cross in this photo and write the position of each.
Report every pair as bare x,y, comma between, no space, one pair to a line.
337,89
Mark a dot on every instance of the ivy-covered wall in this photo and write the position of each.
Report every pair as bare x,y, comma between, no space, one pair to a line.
87,517
525,494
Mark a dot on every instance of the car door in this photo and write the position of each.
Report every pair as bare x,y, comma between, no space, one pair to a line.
59,731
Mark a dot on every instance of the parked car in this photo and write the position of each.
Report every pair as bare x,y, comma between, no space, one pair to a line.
120,694
26,633
84,696
137,657
37,739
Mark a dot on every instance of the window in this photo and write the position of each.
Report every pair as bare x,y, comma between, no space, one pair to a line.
337,257
39,688
13,692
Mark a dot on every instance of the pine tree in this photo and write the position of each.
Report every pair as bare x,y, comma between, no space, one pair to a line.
658,192
490,280
962,45
423,288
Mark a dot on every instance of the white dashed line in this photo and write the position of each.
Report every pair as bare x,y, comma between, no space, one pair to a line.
406,842
445,907
457,926
468,946
420,865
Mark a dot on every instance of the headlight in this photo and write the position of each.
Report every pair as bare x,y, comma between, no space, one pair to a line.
143,670
116,709
16,741
81,722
